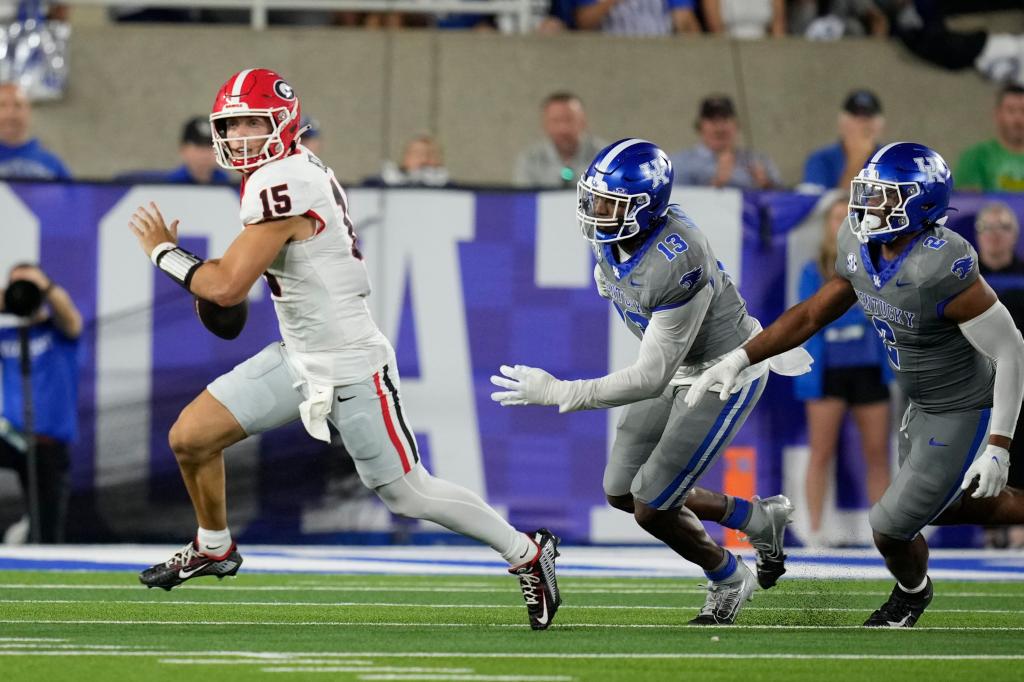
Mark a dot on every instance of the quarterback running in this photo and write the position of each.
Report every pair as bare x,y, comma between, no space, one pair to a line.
333,363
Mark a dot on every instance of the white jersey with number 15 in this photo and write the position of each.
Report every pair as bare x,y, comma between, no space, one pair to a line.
319,285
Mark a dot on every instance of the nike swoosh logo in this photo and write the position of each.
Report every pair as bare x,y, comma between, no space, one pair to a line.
188,574
899,623
632,283
901,283
341,400
543,618
214,549
936,444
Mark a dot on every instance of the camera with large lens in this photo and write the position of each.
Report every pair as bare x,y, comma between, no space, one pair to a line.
22,298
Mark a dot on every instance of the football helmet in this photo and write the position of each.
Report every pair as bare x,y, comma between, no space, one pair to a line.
256,92
624,192
904,188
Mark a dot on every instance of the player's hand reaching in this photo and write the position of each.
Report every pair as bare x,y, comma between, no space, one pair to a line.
724,373
526,386
149,228
991,469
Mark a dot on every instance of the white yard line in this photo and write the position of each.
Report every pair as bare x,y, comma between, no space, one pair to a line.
409,605
258,659
432,624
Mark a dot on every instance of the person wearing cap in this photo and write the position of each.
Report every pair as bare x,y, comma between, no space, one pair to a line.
997,164
199,163
861,125
566,150
997,230
717,160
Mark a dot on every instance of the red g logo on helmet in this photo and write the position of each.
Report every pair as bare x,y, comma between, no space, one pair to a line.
260,93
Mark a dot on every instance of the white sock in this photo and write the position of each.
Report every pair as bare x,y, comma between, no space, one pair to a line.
924,584
523,550
1000,59
213,542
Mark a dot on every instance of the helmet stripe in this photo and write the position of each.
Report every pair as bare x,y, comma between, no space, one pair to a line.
603,165
236,87
878,155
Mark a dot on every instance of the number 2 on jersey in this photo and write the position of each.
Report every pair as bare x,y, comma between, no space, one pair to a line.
888,336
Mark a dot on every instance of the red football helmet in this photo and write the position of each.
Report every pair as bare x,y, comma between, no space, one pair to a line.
255,92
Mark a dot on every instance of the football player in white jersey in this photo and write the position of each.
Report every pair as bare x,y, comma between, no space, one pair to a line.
333,365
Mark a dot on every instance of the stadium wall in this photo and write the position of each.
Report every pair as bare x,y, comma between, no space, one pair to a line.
132,87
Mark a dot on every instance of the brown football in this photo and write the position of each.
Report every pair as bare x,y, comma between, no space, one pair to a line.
227,323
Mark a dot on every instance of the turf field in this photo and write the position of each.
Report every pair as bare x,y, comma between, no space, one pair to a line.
105,626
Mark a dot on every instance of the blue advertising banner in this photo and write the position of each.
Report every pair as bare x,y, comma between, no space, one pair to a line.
463,282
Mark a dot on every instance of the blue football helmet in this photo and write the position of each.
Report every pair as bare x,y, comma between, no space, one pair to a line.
903,188
624,192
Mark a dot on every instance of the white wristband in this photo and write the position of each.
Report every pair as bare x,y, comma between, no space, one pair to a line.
154,255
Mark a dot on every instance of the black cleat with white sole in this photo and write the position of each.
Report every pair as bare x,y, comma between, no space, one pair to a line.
538,582
187,563
902,608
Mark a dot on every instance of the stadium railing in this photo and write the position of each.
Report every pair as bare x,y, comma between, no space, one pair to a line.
515,14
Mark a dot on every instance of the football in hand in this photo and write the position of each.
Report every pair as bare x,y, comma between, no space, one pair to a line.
227,323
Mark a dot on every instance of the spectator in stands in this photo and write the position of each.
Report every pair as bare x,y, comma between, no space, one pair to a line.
311,139
54,333
997,165
566,150
921,25
848,376
560,16
637,17
20,10
861,125
422,165
747,19
21,155
718,160
199,163
997,231
834,19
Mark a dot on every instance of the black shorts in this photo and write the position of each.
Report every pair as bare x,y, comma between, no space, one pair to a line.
856,385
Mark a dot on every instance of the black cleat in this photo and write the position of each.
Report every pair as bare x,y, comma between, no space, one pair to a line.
901,610
538,582
187,563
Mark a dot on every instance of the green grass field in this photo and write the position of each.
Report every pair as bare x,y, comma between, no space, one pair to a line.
105,626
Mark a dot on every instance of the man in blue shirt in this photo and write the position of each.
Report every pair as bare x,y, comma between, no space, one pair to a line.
21,155
718,160
53,346
861,125
199,164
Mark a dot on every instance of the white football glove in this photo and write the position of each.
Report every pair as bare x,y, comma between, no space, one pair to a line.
526,386
602,284
725,373
991,469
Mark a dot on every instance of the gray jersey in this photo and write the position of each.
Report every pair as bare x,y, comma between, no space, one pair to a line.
935,365
674,264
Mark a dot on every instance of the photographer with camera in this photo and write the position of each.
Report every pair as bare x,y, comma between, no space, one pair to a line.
47,324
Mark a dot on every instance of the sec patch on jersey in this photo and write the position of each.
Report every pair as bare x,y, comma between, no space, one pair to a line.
227,323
